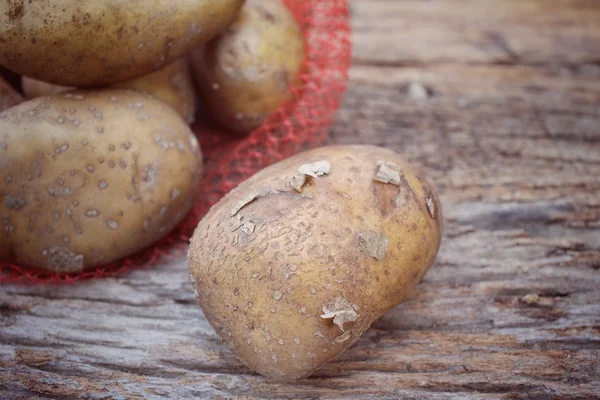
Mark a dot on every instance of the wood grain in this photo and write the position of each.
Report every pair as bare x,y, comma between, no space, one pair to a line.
509,132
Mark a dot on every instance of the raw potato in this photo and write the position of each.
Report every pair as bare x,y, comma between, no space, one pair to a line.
8,96
293,265
172,84
245,73
32,88
84,43
90,177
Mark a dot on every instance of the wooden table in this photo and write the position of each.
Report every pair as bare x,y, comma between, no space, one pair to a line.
508,129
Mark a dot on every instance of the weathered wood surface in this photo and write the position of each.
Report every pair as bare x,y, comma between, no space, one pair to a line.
510,134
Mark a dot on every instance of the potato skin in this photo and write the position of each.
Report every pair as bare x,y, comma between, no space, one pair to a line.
90,177
172,84
245,73
84,43
267,261
8,96
32,88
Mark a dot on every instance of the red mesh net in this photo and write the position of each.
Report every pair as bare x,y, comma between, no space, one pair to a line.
300,125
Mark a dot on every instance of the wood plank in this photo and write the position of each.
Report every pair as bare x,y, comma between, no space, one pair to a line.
405,32
509,132
506,133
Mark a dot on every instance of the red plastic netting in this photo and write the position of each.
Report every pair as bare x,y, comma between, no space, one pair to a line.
301,125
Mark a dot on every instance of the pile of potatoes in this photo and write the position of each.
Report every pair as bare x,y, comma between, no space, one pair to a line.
293,265
97,159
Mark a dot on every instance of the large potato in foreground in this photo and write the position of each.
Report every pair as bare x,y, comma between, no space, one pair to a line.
84,43
293,265
8,96
245,73
172,84
90,177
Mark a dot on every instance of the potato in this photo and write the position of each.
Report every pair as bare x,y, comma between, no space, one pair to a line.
8,96
293,265
90,177
32,88
84,43
171,84
245,73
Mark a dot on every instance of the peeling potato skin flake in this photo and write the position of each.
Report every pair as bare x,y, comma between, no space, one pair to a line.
251,197
298,181
281,272
388,173
341,311
373,244
314,170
